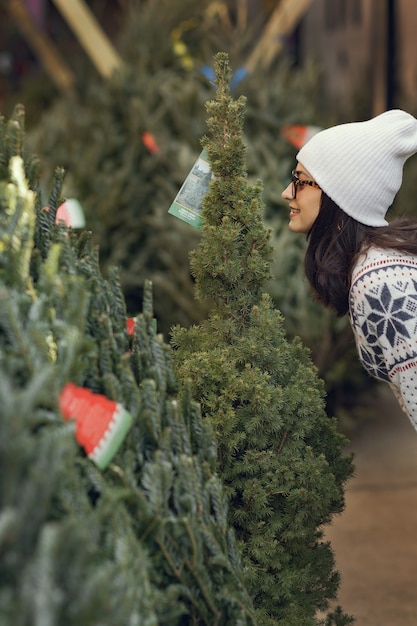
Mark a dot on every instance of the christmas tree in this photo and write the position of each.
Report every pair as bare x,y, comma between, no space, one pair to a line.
280,456
141,534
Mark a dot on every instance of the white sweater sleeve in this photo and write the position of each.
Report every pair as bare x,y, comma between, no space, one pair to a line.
383,314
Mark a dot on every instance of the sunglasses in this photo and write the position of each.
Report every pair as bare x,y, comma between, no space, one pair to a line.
300,182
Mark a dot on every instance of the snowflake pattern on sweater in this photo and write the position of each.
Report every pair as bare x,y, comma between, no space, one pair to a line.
383,315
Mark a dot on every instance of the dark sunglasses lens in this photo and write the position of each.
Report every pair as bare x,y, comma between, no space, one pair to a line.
294,180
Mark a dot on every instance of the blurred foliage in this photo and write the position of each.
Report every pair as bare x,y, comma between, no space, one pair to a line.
126,190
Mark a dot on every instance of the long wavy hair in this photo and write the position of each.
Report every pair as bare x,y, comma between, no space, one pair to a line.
334,243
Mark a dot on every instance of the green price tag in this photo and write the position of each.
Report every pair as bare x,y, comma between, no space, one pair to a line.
187,203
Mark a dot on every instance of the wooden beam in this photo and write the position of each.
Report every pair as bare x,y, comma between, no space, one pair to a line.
90,35
282,22
42,46
379,56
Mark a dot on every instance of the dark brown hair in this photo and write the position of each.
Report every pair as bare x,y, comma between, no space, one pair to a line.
334,242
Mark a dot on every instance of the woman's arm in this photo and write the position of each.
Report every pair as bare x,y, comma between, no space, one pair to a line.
383,313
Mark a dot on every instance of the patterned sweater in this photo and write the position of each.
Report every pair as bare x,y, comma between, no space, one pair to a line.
383,314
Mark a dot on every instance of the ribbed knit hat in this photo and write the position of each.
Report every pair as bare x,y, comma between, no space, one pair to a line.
360,165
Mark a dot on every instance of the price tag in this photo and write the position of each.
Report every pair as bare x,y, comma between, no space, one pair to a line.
187,203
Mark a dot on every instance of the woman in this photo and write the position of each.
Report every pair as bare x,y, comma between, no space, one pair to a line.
345,181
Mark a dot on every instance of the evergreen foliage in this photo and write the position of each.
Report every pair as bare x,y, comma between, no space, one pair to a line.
147,541
98,140
280,456
126,190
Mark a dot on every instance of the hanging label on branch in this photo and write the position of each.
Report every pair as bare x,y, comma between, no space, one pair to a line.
101,424
70,213
187,203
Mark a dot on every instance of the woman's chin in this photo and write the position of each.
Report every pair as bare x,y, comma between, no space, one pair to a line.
295,227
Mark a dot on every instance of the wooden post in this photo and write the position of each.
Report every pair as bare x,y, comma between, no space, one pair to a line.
379,56
90,35
282,21
42,46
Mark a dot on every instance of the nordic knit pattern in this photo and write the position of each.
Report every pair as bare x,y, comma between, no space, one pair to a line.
383,314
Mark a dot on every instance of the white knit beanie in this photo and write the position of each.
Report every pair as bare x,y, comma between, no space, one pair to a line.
360,165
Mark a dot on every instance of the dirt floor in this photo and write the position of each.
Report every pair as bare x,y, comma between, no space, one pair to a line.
375,539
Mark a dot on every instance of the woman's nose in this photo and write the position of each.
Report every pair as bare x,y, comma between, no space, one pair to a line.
287,194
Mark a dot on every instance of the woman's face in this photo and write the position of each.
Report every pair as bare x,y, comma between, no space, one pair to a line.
305,207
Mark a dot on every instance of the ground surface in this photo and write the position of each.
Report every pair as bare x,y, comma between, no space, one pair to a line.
375,539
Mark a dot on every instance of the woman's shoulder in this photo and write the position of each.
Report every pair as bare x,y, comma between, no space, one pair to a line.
384,264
